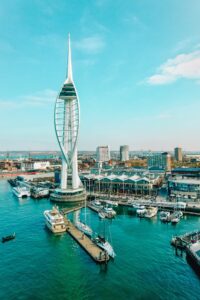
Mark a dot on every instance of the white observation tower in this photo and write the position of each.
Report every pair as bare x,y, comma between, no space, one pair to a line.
67,122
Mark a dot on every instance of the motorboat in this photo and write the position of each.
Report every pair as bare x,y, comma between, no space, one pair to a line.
54,220
137,206
151,212
97,204
39,192
141,212
8,238
165,216
175,220
21,192
105,245
112,203
101,215
109,210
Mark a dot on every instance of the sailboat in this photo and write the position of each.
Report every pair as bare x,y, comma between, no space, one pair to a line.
104,244
82,226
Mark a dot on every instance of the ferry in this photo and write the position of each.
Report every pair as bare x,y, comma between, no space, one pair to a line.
151,212
54,220
21,192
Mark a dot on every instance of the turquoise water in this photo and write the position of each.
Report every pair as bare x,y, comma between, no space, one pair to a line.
40,265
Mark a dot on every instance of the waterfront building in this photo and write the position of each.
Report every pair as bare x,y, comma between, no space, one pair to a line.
124,153
178,154
160,161
121,184
66,120
34,165
102,154
184,189
186,172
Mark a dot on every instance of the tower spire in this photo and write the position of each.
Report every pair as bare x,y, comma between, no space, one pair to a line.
69,70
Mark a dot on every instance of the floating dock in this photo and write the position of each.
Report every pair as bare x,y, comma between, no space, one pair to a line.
95,252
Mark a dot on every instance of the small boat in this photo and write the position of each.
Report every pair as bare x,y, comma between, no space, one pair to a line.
109,210
8,238
141,212
97,204
137,206
101,215
151,212
175,220
105,245
165,216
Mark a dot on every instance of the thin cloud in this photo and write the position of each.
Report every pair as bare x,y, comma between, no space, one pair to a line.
40,98
182,66
92,44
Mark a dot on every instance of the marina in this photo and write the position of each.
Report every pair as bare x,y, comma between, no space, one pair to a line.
63,253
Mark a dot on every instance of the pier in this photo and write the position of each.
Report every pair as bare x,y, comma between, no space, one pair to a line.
94,251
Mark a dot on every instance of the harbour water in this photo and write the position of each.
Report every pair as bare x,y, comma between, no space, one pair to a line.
40,265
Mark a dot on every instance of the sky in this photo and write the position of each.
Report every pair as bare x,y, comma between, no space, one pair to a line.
136,67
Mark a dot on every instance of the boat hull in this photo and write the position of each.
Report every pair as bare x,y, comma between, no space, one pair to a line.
58,228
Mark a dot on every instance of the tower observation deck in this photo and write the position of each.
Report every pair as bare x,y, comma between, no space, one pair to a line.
67,122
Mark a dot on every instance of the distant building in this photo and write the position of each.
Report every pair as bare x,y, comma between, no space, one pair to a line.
35,165
124,153
178,154
160,161
184,189
102,154
186,172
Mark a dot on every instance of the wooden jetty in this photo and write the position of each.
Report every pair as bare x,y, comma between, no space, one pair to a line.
95,252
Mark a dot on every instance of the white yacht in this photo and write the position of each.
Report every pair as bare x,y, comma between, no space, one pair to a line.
54,220
97,204
109,210
141,212
151,212
21,192
137,206
105,245
165,216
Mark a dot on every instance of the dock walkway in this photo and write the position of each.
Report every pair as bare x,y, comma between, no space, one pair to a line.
95,252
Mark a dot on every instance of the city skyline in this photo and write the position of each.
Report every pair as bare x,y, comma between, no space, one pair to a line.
137,72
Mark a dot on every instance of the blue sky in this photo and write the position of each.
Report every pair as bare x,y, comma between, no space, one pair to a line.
136,66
